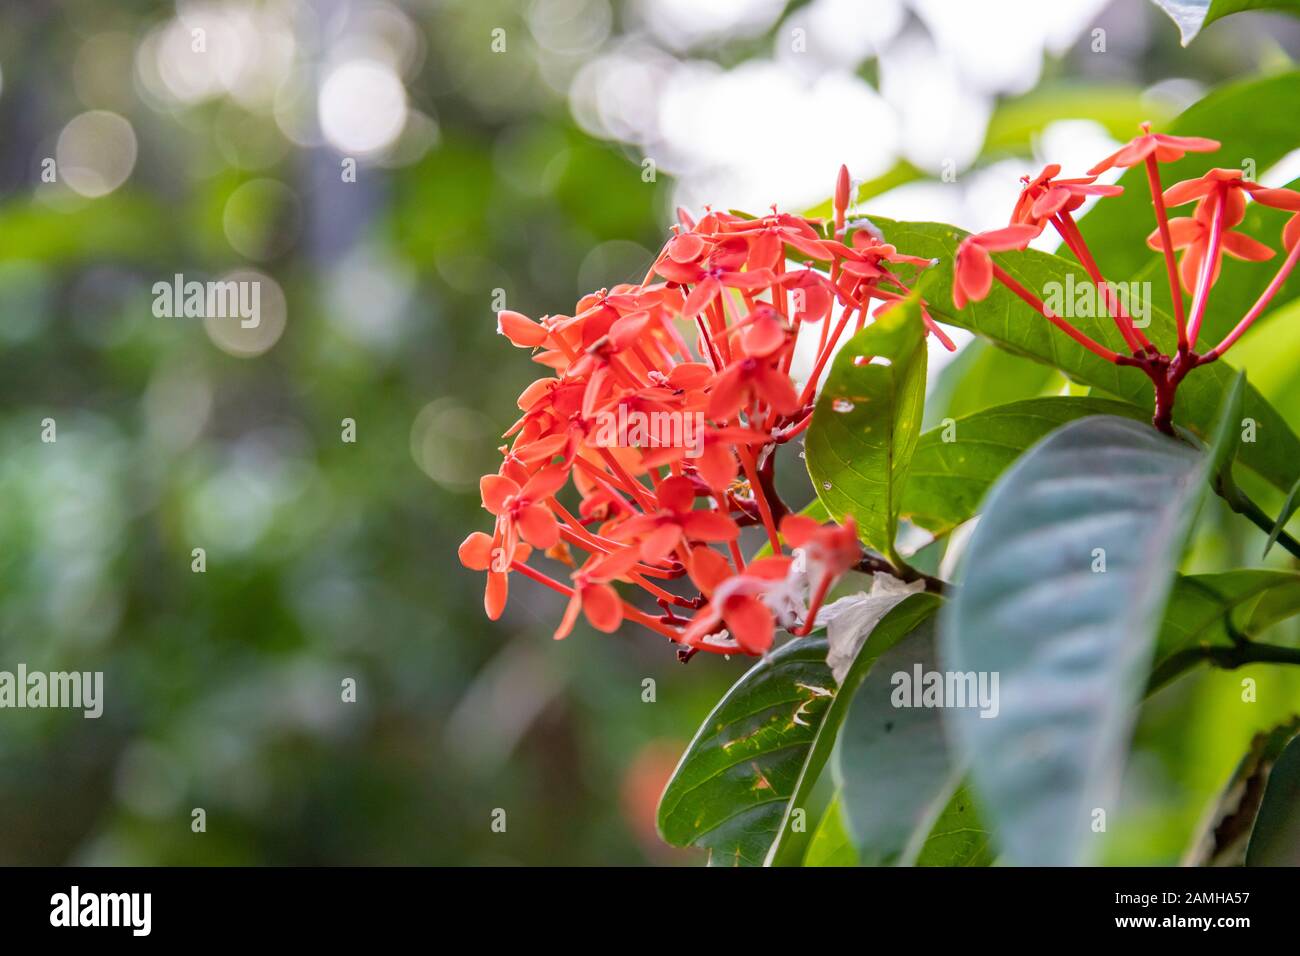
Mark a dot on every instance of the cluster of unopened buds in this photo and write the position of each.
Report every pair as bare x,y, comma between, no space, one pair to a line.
706,340
1203,238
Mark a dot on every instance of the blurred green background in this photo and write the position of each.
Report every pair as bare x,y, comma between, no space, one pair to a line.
490,168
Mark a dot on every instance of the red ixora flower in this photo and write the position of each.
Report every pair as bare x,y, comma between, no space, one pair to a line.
650,443
972,275
1204,238
1046,196
1161,147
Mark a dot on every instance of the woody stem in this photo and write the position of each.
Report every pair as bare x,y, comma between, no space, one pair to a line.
1166,241
1036,304
1199,299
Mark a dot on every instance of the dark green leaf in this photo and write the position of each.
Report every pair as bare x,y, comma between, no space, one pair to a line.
1275,840
1071,643
1005,319
954,464
730,791
1208,609
892,763
866,423
897,624
1288,509
984,376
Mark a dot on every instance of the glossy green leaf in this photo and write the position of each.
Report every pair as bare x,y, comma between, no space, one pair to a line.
1222,836
1275,841
1071,642
1288,509
955,464
958,837
892,764
1005,319
830,844
866,423
1208,609
789,846
730,790
1192,16
984,376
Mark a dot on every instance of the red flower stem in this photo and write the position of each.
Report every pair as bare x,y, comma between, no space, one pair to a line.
1202,294
1171,264
540,578
645,620
795,430
646,363
764,508
1069,230
640,568
1037,305
570,353
659,592
636,488
810,619
718,316
606,481
598,543
736,557
811,388
795,324
1260,305
629,612
783,305
714,358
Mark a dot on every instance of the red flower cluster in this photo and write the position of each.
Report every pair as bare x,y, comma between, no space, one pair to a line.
702,350
1203,238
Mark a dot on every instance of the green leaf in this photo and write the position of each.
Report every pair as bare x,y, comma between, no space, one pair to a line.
958,837
1071,643
984,376
866,423
892,763
1018,122
1209,609
897,624
1288,509
1223,834
730,791
954,465
1254,120
1192,16
1275,840
830,844
1006,320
